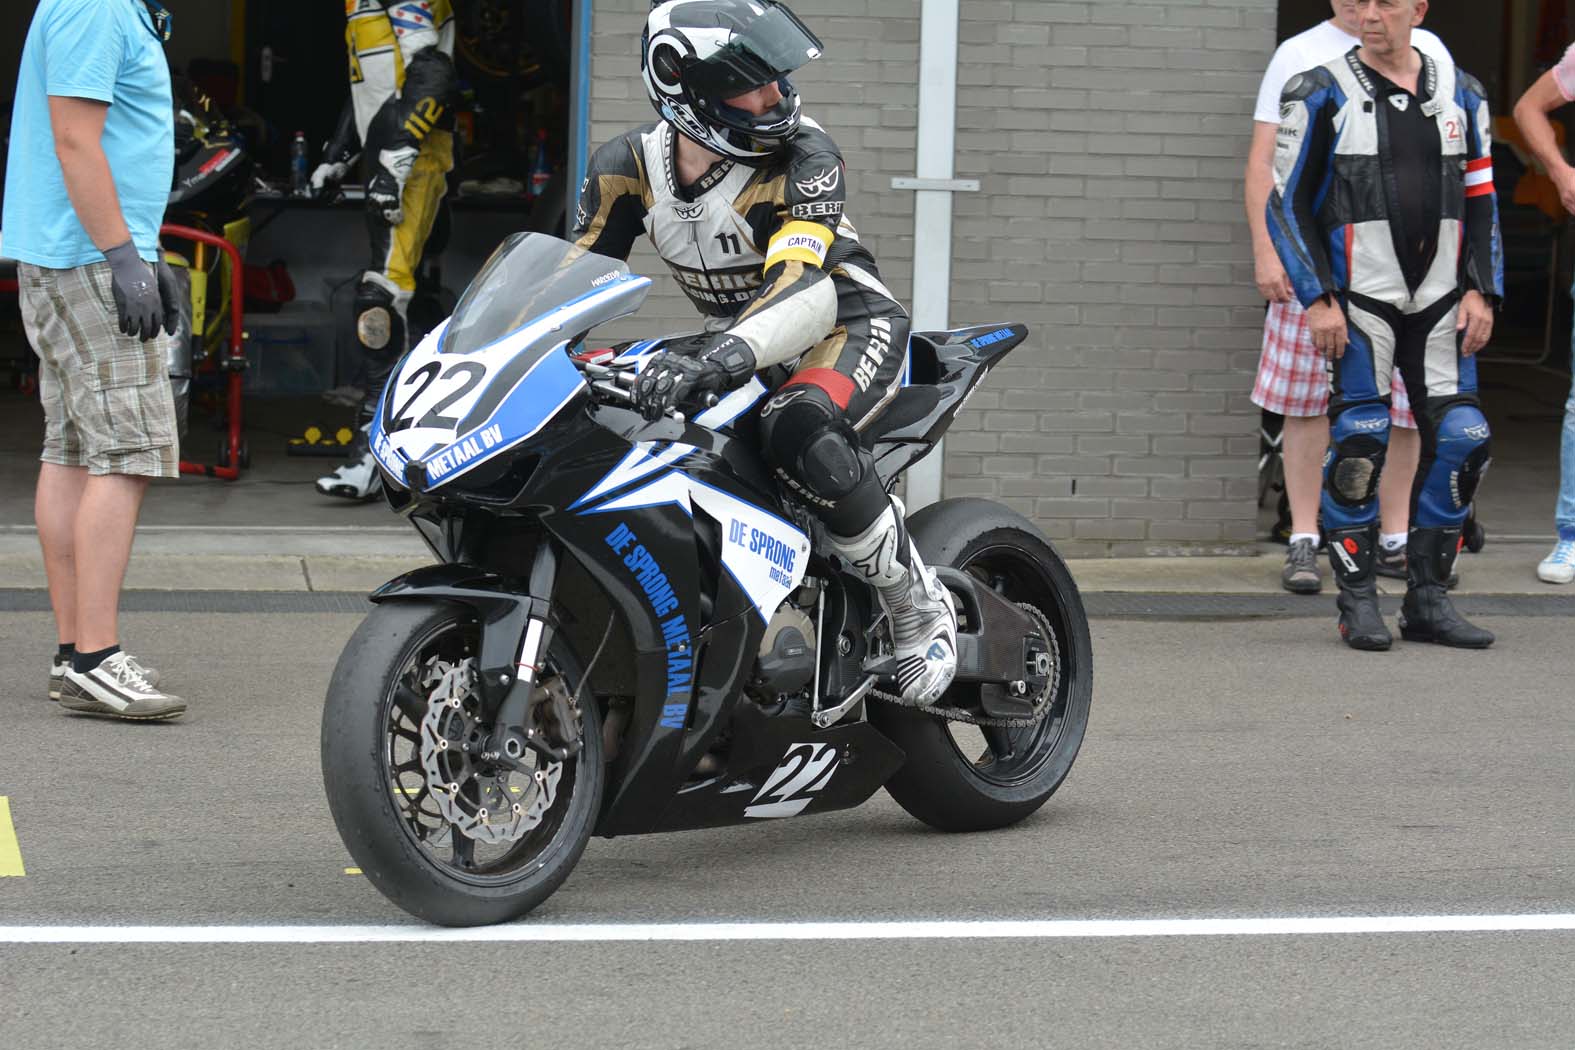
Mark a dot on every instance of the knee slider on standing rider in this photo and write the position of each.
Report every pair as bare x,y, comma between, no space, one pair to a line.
1458,449
1359,440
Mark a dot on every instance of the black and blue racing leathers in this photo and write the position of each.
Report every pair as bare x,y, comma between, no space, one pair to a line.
1384,201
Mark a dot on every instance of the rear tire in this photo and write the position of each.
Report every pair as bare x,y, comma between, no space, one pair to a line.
939,784
362,791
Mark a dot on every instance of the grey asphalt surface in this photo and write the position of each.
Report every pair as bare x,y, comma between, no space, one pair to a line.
1232,769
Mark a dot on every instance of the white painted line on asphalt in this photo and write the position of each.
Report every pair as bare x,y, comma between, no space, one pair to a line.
10,849
791,931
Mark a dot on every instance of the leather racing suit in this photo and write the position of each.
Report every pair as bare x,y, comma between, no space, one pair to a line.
1384,201
769,256
400,117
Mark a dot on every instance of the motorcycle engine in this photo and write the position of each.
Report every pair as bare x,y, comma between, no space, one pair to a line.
786,664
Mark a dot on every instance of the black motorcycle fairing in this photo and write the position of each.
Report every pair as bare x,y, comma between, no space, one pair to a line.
785,767
946,368
498,604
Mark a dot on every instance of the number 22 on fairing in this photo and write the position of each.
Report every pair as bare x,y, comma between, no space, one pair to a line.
804,770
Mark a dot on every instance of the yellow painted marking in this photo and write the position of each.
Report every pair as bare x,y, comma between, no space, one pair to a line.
352,871
10,852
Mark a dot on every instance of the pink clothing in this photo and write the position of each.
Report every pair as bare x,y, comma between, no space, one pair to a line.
1293,377
1564,75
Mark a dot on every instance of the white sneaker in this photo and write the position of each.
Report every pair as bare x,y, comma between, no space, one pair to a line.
59,664
1558,567
355,479
923,622
117,688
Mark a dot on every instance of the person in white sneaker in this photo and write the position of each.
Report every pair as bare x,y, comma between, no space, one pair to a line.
90,161
1553,90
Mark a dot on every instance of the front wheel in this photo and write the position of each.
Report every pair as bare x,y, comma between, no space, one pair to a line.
437,830
964,778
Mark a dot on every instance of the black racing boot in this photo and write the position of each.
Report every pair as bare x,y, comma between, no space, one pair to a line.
1351,553
1427,614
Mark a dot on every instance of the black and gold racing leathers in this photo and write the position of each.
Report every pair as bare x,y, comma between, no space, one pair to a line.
770,256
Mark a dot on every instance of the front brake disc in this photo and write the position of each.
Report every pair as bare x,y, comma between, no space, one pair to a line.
478,802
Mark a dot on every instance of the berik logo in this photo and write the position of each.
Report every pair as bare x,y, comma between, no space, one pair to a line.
689,212
1400,102
821,184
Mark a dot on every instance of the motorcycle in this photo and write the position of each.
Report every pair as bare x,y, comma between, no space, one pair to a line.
630,628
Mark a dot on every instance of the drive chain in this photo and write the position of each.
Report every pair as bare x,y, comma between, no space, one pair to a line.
957,714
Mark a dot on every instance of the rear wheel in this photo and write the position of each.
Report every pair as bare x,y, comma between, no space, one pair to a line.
403,773
960,777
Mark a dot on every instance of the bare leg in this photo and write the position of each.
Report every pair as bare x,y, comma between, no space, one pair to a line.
1306,439
55,511
105,526
1394,487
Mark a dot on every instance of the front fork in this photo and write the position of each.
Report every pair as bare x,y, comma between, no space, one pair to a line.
516,725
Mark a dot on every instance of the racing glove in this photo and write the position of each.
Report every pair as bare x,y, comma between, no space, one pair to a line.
326,179
672,379
385,190
135,287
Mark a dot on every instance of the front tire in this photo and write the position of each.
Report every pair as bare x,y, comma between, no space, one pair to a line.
387,817
1020,768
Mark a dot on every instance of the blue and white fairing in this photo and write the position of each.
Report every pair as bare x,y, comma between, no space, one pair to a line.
498,371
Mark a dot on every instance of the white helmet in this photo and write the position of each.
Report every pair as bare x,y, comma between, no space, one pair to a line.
696,54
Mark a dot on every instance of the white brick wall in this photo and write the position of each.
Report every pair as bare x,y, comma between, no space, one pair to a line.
1109,139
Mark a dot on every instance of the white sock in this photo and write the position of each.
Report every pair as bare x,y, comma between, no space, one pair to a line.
1298,536
1392,541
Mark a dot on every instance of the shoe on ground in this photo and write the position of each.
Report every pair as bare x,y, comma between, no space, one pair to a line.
1559,566
59,664
1391,563
1427,614
117,688
355,479
1302,574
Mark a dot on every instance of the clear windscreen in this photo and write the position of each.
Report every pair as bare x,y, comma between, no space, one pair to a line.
529,275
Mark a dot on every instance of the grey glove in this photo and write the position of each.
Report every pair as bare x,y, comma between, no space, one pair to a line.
136,290
169,296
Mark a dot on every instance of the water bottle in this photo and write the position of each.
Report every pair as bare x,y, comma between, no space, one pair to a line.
541,171
299,174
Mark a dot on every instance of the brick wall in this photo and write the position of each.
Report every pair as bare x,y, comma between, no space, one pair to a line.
1109,139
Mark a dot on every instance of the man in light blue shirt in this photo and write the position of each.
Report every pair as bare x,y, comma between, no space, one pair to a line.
90,165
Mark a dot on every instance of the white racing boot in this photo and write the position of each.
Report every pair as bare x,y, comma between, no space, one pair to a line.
923,622
356,478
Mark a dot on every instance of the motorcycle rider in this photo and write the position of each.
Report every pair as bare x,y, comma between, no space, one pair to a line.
744,199
400,118
1385,217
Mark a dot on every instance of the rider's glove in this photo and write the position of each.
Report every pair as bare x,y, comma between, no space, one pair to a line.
135,286
385,190
672,379
326,179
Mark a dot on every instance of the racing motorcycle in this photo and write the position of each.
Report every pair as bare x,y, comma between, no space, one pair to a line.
631,628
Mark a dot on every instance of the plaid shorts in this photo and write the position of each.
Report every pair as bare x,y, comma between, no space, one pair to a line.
107,400
1293,377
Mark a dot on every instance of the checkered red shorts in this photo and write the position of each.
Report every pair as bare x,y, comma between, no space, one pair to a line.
1293,378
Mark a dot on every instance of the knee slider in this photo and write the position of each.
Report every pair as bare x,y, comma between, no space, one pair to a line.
1360,439
809,442
379,317
1465,446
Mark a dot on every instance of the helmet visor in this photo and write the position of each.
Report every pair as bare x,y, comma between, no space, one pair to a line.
764,51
